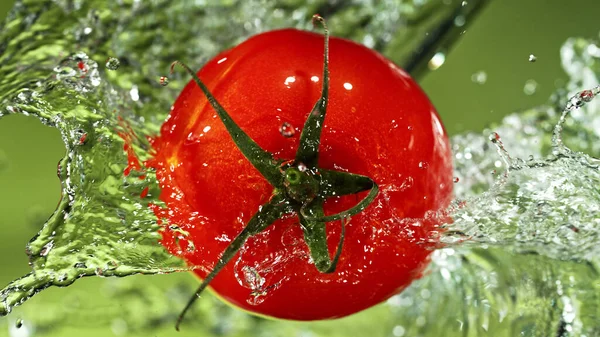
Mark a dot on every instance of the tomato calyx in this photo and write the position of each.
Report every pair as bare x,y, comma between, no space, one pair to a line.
300,186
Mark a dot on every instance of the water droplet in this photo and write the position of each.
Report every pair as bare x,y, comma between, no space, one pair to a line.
530,87
252,278
113,63
464,3
134,93
79,136
581,98
459,21
289,239
532,58
19,323
479,77
119,327
437,61
164,81
287,130
399,331
456,179
47,248
423,165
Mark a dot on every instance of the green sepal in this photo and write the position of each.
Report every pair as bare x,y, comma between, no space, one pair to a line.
310,139
261,159
315,236
366,201
267,214
339,183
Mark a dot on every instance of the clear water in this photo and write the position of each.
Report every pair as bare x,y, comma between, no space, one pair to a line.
522,250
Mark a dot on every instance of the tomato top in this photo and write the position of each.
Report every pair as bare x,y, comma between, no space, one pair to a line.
378,124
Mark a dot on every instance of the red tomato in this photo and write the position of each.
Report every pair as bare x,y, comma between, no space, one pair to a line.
378,124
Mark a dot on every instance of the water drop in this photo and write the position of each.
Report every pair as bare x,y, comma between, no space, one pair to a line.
119,327
134,93
399,331
437,61
423,165
496,140
164,81
456,179
80,265
19,323
79,136
287,130
530,87
459,21
532,58
47,248
464,3
112,63
252,278
479,77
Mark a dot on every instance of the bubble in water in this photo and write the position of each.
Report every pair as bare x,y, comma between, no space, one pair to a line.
164,81
113,63
479,77
287,130
532,58
530,87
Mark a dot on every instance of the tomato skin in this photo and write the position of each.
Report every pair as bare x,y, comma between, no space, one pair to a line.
379,124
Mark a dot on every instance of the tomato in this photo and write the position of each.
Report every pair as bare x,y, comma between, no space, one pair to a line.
378,124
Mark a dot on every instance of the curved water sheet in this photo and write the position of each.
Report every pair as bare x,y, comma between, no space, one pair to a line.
96,77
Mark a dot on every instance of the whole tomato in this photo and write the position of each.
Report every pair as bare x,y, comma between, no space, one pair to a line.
298,191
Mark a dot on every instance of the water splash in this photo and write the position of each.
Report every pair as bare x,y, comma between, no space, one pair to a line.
521,250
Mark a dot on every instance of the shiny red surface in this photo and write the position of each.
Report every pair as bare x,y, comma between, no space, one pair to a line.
379,123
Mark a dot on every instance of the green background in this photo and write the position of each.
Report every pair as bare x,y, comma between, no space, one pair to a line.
498,43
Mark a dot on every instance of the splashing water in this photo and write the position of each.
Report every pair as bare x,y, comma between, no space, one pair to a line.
521,253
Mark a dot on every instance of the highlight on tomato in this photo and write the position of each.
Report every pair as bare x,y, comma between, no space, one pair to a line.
296,172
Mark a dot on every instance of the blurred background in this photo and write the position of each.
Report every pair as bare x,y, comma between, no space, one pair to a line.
487,75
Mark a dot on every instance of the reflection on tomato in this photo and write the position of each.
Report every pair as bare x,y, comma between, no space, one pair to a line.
378,124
